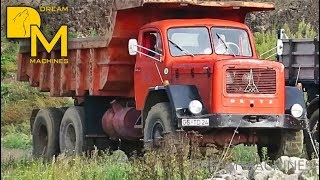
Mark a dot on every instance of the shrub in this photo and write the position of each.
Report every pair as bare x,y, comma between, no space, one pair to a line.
18,100
265,41
16,140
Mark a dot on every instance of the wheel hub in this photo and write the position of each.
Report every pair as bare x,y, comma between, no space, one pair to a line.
70,138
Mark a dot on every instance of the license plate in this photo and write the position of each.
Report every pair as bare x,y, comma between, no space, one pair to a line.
195,122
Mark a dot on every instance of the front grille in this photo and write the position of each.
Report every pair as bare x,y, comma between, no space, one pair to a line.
251,81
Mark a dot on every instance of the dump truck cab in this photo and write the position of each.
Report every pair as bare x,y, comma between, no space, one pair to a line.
218,57
209,72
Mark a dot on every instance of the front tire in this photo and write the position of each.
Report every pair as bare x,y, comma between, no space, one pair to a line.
158,121
160,133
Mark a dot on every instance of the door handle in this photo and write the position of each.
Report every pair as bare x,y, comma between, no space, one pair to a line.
137,69
207,69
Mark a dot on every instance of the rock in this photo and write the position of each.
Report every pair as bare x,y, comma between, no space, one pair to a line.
261,176
298,164
282,163
234,169
291,165
245,173
240,177
291,177
222,171
119,156
276,175
226,177
260,171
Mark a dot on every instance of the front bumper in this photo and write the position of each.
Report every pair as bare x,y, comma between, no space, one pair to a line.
282,121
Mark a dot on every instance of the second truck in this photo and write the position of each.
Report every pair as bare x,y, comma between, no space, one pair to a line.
166,65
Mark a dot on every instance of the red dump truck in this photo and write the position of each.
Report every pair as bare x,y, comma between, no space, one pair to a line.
166,65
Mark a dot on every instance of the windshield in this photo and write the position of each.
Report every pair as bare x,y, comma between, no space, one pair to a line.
231,41
189,41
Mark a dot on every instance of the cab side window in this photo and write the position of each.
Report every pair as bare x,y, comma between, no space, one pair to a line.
152,40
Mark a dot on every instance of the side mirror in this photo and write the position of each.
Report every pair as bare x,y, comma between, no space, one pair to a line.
279,47
133,47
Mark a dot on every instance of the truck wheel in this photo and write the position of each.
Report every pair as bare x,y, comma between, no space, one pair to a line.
290,144
45,133
72,140
158,121
314,130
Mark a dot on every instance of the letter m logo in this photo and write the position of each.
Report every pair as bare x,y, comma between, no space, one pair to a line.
62,34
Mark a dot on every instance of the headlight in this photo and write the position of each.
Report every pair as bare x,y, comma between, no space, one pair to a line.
195,107
296,110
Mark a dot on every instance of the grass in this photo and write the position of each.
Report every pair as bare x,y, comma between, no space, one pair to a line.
16,136
99,167
18,100
245,154
16,141
104,167
168,164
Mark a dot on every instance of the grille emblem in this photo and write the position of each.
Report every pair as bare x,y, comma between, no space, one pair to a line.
251,87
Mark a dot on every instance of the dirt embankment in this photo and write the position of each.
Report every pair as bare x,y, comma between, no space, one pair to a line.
287,11
92,17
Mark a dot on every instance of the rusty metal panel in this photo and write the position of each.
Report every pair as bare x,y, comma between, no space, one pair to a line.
44,75
22,67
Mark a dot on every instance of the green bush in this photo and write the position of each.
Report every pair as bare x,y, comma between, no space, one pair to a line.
9,52
265,41
245,154
16,140
18,99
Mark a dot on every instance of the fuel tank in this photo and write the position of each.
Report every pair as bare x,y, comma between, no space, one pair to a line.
118,122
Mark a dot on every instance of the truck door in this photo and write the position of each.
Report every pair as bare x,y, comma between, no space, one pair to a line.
148,70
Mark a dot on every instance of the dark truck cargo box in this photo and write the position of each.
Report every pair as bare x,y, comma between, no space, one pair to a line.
301,60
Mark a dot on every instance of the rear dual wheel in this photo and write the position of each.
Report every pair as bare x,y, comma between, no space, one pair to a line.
45,132
58,130
71,136
61,130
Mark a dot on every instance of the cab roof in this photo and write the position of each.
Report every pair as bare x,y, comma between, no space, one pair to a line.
165,24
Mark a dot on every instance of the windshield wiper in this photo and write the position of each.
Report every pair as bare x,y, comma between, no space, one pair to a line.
224,43
180,48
